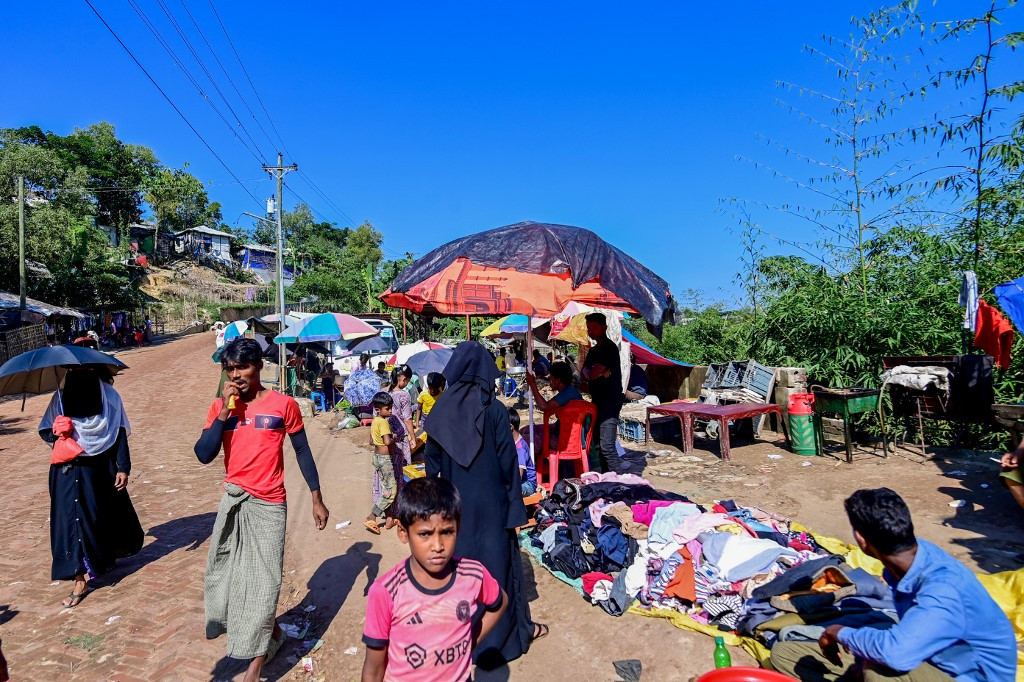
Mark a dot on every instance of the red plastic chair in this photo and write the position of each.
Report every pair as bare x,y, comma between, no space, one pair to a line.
577,420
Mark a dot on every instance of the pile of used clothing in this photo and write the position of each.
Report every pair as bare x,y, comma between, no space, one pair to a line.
740,569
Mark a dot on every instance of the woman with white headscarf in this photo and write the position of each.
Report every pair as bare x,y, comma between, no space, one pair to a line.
92,520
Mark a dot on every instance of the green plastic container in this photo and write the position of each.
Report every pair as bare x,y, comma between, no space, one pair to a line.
802,435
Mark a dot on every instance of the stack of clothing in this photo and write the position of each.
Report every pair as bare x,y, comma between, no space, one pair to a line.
740,569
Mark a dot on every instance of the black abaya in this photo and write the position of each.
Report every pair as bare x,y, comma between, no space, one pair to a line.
492,508
91,523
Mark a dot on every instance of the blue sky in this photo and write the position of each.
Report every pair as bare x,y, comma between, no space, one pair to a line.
434,120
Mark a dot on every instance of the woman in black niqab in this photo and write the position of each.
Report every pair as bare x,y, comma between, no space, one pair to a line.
92,520
470,444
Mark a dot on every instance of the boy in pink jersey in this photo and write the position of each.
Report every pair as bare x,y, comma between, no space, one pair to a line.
425,615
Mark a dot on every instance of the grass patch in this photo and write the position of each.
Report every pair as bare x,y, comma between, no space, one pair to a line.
87,642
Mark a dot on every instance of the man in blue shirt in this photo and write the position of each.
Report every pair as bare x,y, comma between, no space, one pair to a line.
949,629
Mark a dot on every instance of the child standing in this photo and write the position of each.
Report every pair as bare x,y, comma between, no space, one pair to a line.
422,616
383,442
435,386
527,468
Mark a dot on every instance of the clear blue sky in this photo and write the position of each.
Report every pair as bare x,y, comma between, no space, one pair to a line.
434,120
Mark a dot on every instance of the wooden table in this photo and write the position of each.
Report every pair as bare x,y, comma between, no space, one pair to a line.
688,412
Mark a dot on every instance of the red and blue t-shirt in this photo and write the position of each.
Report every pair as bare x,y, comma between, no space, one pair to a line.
428,633
254,442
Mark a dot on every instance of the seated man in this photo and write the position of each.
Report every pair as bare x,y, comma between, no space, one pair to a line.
560,380
1012,474
636,387
327,379
949,629
541,366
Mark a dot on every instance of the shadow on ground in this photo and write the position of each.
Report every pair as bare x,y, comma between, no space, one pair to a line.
187,532
328,590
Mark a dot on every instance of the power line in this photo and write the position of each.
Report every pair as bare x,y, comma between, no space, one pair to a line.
226,73
249,78
195,55
174,57
170,101
309,181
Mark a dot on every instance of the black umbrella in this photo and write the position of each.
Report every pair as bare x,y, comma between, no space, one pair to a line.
429,361
41,370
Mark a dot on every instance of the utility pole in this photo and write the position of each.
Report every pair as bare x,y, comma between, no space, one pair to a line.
278,171
20,239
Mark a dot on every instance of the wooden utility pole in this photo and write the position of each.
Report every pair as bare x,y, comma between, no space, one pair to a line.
469,335
21,241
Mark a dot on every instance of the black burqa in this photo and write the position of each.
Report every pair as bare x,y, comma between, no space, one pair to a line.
91,523
470,444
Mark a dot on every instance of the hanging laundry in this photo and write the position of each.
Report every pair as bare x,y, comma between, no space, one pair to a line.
994,334
1011,299
969,299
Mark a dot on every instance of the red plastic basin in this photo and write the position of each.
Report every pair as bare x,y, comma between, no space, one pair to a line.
743,674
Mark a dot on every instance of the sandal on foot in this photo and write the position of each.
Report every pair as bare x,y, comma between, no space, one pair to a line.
372,526
74,600
273,648
390,523
540,631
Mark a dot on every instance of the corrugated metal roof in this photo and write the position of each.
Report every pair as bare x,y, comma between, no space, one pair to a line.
203,229
9,301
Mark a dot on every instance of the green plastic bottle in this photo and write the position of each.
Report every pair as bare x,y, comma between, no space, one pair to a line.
722,657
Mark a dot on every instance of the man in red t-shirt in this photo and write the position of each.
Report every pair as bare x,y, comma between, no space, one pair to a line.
243,572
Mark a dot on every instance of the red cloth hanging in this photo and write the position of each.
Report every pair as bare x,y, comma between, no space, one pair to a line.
994,334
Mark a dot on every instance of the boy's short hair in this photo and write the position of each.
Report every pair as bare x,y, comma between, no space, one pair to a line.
435,380
382,399
599,318
562,371
882,518
421,498
241,351
513,418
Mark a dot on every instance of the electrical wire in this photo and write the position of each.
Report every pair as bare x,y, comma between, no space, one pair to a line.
249,78
195,55
171,102
244,101
188,74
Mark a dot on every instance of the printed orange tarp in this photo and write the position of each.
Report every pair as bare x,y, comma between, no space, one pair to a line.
464,288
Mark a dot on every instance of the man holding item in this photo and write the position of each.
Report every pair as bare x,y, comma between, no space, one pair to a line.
246,561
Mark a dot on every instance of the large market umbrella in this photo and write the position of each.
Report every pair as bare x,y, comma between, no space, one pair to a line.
405,352
41,370
429,361
534,269
326,327
559,321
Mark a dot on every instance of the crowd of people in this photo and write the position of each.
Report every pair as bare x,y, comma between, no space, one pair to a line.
464,577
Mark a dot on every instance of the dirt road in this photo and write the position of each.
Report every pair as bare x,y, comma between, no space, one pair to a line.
146,621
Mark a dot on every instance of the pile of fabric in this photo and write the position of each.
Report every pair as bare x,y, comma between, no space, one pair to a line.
735,568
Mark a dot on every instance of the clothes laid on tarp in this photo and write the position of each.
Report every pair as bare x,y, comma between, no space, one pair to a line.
732,568
994,334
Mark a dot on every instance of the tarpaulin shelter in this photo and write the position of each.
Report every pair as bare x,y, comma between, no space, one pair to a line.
534,269
530,268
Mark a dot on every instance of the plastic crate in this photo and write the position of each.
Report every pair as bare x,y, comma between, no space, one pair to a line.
713,379
733,376
632,430
758,378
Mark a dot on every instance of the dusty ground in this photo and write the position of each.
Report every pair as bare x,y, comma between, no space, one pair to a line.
146,621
